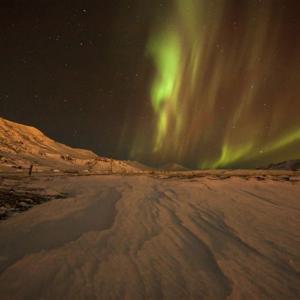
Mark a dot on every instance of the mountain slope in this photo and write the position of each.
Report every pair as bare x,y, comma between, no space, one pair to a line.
21,139
21,146
286,165
173,167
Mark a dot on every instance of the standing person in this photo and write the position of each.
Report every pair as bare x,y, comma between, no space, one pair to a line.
30,169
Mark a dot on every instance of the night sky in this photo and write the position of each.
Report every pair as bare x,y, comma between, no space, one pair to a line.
207,84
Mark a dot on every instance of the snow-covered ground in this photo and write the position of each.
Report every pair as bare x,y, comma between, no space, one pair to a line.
144,237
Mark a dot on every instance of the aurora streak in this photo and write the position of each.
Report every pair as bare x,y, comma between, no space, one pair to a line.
215,100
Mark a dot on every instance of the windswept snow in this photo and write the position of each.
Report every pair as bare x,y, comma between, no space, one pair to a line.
141,237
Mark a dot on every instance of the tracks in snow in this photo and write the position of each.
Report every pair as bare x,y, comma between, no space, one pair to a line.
141,237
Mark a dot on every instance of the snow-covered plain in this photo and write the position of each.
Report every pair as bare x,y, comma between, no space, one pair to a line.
145,237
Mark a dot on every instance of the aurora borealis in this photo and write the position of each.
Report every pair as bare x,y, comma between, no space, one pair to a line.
201,83
224,85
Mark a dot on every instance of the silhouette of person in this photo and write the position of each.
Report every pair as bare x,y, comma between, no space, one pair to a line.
30,169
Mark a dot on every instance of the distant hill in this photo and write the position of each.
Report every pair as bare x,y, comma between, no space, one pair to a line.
173,167
285,165
21,146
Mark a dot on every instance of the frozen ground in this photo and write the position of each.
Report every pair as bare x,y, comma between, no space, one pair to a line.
147,237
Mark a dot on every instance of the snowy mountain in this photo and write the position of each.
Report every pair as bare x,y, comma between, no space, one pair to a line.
21,146
173,167
286,165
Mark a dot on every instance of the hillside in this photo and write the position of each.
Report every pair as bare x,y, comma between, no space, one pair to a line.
286,165
21,146
173,167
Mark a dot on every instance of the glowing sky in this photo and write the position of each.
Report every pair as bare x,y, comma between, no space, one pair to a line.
202,83
225,90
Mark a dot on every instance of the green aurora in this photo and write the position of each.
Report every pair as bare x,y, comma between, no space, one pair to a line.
215,98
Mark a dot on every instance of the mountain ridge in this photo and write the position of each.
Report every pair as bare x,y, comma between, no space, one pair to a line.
23,145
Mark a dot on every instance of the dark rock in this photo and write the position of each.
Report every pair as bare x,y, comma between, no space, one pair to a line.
3,212
222,177
23,205
14,201
284,177
29,201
